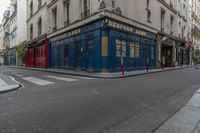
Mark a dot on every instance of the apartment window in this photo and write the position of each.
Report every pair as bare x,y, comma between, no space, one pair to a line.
182,32
39,26
85,9
148,4
31,8
39,3
54,19
171,25
148,12
113,4
162,20
31,31
66,13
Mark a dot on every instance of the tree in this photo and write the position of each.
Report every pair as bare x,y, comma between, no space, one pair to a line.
21,52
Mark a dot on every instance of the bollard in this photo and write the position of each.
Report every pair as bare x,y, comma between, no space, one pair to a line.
122,70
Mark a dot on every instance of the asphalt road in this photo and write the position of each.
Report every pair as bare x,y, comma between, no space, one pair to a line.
56,103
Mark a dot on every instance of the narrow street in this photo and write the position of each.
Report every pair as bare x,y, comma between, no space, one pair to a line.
56,103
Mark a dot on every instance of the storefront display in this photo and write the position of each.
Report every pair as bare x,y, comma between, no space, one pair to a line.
100,46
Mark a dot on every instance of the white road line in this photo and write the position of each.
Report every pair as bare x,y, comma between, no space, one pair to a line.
61,78
38,81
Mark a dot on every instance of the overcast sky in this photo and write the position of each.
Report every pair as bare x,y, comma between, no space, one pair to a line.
3,6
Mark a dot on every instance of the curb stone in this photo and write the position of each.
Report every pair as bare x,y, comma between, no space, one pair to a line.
186,120
101,76
11,84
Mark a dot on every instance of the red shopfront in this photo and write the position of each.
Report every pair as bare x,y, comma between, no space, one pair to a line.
37,54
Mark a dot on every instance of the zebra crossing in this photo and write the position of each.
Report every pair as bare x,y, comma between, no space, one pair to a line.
45,80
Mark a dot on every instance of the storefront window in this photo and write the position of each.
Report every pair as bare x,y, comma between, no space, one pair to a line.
66,51
137,50
90,48
120,48
132,50
152,53
78,49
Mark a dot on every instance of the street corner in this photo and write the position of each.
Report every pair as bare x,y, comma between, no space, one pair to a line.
8,84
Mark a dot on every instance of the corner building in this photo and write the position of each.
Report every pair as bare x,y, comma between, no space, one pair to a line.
98,36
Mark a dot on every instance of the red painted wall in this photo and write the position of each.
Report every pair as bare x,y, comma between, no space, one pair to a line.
37,55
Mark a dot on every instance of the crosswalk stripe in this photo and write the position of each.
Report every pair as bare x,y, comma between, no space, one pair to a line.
38,81
61,78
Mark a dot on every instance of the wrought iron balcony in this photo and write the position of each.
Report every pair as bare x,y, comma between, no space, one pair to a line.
54,29
195,29
85,14
67,23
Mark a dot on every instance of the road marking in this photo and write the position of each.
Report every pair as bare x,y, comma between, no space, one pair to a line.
38,81
61,78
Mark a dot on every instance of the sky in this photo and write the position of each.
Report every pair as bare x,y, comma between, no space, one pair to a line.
3,6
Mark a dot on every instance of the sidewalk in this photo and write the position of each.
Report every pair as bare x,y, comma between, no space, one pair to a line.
103,75
7,84
187,120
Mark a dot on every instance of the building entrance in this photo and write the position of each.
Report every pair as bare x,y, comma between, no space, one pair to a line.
166,56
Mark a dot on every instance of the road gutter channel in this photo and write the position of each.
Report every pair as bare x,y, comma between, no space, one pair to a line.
102,76
186,120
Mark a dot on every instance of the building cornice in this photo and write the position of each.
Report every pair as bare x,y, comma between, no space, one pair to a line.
168,6
51,3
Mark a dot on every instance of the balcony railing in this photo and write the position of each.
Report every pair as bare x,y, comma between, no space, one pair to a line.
31,36
162,29
54,29
85,14
39,32
195,28
67,23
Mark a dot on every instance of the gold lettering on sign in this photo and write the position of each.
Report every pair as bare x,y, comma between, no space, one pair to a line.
126,28
120,26
104,46
142,33
66,35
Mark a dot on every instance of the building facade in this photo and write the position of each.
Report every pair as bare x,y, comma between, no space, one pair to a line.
14,25
196,26
2,48
6,40
37,49
102,35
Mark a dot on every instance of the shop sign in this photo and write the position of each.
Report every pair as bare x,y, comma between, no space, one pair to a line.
66,35
126,28
104,46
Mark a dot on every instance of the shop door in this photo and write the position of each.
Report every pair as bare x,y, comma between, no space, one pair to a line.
79,55
90,55
145,55
167,56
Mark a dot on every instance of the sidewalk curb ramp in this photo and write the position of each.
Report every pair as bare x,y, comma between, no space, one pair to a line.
11,86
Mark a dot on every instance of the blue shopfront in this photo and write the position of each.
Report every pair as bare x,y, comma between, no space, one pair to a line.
102,46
